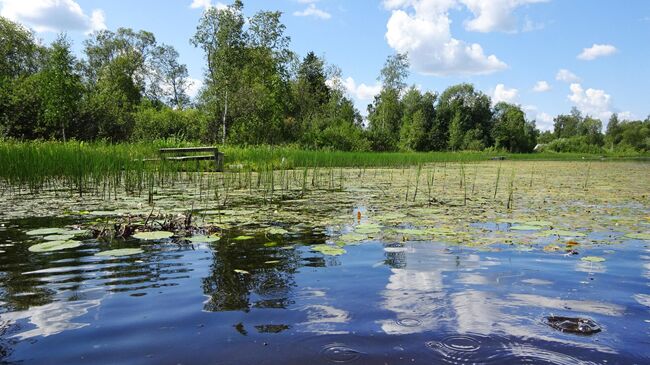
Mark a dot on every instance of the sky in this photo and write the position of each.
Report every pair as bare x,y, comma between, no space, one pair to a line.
545,55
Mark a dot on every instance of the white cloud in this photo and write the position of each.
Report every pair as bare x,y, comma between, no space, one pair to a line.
594,102
312,10
543,121
424,34
597,50
494,15
206,4
53,15
500,94
361,92
194,87
566,76
541,86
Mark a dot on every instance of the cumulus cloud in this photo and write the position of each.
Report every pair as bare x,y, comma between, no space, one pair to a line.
501,93
206,4
53,15
596,51
566,76
313,11
543,121
541,86
421,29
194,86
361,92
594,102
494,15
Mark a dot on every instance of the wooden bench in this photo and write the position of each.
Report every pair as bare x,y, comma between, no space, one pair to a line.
214,155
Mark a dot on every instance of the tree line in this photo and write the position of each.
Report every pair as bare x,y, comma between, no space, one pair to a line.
256,90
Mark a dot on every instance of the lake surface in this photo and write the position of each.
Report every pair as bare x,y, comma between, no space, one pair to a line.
445,281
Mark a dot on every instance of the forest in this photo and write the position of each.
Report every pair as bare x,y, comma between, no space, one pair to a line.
128,87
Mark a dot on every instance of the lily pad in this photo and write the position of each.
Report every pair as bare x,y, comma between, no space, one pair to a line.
46,231
367,228
638,236
353,237
276,230
243,238
54,246
539,223
270,244
412,231
204,239
562,233
59,237
328,250
120,252
153,236
593,259
243,272
525,228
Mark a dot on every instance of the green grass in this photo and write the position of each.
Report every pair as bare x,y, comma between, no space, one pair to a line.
84,166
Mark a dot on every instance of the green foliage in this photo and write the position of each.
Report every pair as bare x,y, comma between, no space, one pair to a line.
511,131
155,124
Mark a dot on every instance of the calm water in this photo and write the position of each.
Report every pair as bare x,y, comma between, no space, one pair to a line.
239,302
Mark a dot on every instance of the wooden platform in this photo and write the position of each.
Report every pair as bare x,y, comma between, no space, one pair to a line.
215,155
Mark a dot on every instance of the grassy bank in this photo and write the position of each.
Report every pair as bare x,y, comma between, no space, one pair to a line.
88,165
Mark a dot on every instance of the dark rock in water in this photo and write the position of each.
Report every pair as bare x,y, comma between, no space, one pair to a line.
578,326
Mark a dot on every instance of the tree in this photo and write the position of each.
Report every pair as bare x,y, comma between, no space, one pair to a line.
462,109
20,59
221,35
566,126
385,114
171,77
511,131
417,118
395,72
61,88
613,135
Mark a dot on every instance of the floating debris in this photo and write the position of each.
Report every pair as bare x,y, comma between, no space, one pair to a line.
578,326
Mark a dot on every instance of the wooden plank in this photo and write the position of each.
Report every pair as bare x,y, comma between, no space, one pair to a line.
188,150
190,158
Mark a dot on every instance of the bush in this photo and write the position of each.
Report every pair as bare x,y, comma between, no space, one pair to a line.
152,124
573,144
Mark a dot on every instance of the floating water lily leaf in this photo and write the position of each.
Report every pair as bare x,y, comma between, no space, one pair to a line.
441,231
367,228
54,246
272,262
593,259
243,238
328,250
153,236
46,231
525,228
638,236
552,248
276,230
510,221
120,252
412,231
562,233
538,223
352,237
58,237
270,244
204,239
243,272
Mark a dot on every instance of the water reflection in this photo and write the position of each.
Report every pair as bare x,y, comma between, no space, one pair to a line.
247,275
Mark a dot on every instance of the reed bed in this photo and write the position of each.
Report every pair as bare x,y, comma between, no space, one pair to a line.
103,168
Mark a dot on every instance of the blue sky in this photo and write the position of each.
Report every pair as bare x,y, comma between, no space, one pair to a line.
546,55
